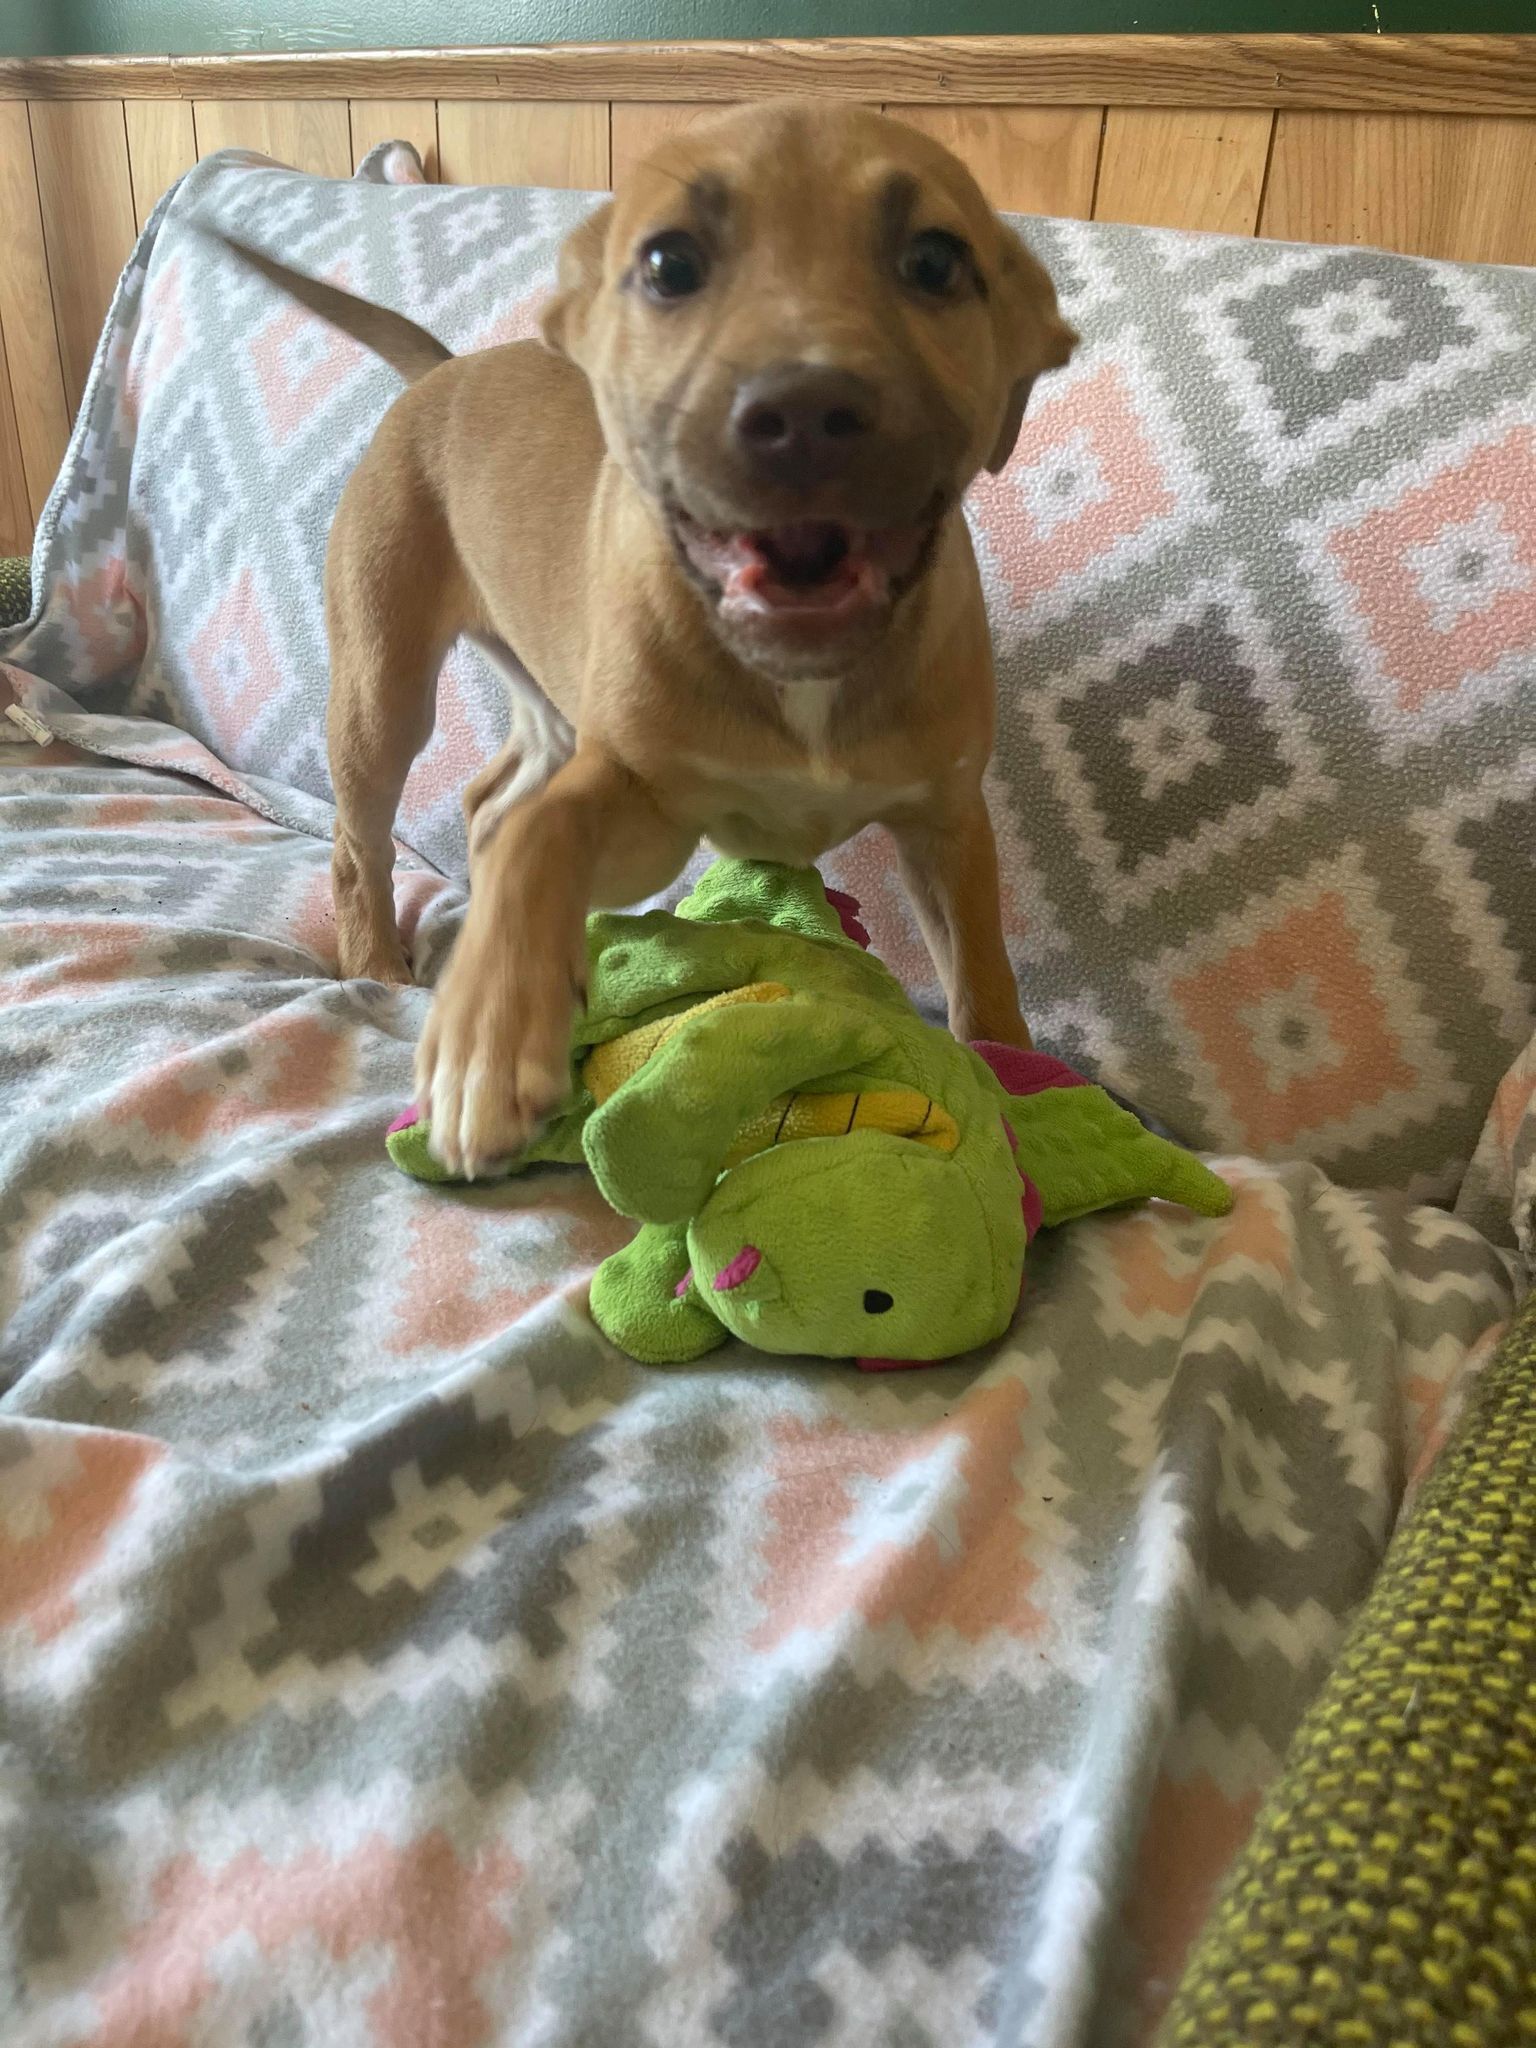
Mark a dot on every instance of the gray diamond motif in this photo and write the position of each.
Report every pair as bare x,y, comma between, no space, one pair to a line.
1326,336
1156,782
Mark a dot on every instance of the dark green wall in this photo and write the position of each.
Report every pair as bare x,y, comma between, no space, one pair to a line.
184,27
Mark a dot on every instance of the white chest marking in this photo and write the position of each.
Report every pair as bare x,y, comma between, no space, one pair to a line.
806,709
791,814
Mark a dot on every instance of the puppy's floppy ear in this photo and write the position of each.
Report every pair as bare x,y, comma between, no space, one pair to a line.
1034,337
564,316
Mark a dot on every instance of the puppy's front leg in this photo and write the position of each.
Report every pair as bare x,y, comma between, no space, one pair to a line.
949,864
494,1058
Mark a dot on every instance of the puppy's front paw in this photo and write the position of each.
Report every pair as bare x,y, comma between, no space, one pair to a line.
494,1060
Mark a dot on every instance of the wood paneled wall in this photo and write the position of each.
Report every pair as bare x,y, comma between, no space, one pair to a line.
79,175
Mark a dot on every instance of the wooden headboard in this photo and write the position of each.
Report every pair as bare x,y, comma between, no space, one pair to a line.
1419,143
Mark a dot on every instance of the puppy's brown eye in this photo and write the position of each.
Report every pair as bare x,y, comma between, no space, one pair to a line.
936,263
672,266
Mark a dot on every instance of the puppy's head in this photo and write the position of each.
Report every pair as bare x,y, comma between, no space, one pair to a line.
806,332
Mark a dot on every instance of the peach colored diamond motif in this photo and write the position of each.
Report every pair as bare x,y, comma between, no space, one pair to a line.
162,336
1313,947
299,361
75,950
1401,561
443,1300
919,1526
232,660
436,1914
1192,1831
1153,1281
1086,477
123,813
65,1532
1431,1405
295,1066
106,610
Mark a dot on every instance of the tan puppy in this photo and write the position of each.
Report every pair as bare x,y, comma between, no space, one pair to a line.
717,518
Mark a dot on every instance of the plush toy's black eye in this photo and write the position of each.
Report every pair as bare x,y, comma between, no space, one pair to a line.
877,1301
936,263
672,266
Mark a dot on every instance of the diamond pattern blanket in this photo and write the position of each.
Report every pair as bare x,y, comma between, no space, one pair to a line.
1262,578
386,1660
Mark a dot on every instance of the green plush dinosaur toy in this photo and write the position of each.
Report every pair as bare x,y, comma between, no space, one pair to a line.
815,1169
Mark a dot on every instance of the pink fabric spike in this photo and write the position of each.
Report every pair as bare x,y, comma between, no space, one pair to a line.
1034,1208
847,908
895,1364
683,1285
1026,1073
403,1123
741,1268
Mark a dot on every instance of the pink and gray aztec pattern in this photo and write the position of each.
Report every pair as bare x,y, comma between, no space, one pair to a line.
385,1661
1263,583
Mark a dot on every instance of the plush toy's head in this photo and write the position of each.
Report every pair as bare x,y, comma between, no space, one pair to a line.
861,1245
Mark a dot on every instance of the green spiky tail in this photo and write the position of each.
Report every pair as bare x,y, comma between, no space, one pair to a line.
1083,1152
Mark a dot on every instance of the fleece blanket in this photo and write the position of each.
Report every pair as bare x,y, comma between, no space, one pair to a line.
1262,578
383,1658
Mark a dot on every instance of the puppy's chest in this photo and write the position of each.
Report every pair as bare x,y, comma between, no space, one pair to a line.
790,814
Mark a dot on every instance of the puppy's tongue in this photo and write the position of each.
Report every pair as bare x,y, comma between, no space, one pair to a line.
811,567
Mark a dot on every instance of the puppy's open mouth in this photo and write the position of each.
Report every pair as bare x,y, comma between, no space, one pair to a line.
811,571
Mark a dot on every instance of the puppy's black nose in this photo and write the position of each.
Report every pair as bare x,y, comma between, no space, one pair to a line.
798,424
